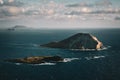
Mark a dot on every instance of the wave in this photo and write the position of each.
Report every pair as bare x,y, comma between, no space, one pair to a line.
104,48
46,64
83,49
38,64
18,63
94,57
70,59
97,57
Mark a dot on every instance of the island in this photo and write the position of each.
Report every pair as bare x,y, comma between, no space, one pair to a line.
17,27
37,59
79,41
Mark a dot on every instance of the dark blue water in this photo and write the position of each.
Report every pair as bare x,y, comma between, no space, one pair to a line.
90,65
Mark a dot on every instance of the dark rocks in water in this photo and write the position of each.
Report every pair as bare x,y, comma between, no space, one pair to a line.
37,59
10,29
82,41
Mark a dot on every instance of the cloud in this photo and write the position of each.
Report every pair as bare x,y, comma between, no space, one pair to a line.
117,18
101,3
58,11
10,11
10,3
1,2
104,3
82,4
86,10
9,8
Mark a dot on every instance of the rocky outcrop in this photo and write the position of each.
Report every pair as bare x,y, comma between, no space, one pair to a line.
82,41
37,59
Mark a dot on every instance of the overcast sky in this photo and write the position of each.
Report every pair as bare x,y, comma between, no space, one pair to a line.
67,14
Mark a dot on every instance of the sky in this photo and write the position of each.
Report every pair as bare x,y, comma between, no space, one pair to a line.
60,14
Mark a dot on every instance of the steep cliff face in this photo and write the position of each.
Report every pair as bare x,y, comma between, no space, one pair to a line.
78,41
99,45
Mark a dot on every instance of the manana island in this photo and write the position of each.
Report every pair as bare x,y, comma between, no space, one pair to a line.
79,41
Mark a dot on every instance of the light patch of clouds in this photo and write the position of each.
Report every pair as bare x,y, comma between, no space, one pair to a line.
14,10
81,4
9,8
86,10
1,2
10,1
103,3
10,11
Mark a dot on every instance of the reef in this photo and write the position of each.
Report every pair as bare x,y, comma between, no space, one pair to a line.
36,59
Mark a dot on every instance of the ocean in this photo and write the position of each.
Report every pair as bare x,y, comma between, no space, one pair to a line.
78,65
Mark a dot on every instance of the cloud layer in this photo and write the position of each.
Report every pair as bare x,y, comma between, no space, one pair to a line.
100,10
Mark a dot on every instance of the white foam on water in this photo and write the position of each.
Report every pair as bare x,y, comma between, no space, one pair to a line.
70,59
46,64
104,48
83,49
18,63
65,60
94,57
38,64
35,45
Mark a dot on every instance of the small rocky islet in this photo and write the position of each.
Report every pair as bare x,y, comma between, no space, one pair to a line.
37,59
17,27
